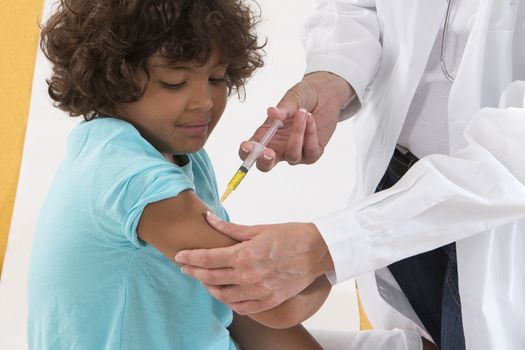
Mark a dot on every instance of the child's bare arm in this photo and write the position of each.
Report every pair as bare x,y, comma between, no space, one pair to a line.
298,308
251,335
179,223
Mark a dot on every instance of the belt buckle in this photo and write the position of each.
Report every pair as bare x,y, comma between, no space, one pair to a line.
411,159
404,151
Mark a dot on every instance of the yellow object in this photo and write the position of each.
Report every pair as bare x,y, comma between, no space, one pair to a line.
226,194
364,324
257,150
18,39
234,182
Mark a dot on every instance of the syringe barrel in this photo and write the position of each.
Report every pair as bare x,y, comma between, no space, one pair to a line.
269,134
254,154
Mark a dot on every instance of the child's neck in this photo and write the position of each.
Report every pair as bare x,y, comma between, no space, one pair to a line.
177,159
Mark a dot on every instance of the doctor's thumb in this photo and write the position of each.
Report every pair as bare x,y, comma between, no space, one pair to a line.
294,99
237,232
301,95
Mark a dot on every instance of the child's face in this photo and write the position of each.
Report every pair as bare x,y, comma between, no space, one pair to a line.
181,105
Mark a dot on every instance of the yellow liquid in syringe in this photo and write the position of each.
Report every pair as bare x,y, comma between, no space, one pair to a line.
234,182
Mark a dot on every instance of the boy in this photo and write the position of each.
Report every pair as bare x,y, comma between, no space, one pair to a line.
151,79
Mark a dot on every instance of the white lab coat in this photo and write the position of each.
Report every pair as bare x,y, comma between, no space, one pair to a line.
475,196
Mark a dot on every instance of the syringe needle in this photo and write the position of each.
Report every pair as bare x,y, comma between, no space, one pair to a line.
226,194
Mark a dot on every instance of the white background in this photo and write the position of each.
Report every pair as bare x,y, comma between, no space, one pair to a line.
299,193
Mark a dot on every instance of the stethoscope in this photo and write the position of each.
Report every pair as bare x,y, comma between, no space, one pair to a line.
443,43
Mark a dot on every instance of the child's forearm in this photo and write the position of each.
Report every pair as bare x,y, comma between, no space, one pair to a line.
251,335
298,308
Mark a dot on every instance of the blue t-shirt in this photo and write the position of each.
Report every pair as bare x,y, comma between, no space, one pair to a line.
93,284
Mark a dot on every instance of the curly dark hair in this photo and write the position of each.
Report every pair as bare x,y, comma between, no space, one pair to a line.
97,46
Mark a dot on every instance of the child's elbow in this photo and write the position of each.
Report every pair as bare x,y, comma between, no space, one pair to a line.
281,317
296,309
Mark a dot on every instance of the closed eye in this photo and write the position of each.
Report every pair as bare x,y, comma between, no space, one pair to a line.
217,80
172,86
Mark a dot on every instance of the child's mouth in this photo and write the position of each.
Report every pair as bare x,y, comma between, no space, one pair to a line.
194,129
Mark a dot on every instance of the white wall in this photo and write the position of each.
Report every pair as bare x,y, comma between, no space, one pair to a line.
299,193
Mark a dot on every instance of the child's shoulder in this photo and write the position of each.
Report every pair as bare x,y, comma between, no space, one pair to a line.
107,136
105,130
108,132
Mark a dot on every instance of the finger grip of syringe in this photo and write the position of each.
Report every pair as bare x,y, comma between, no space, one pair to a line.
258,148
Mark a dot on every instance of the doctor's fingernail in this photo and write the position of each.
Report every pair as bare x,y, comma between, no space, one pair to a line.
212,217
246,147
179,258
183,270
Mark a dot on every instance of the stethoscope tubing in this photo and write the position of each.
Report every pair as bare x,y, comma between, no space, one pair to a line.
444,42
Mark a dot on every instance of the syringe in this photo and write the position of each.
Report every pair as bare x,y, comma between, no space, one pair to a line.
258,148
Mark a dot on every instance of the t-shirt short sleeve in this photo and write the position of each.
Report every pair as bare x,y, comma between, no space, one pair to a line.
130,174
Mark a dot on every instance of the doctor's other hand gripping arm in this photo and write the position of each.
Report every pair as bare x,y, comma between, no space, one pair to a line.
265,271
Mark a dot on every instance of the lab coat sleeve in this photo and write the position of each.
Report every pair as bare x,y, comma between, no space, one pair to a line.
395,339
342,37
441,199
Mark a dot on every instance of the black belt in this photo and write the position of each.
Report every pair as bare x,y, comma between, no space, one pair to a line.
402,160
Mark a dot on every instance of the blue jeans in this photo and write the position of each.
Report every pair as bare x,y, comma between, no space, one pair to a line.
429,280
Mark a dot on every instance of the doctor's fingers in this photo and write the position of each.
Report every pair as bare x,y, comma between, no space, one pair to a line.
312,150
234,294
207,258
266,160
294,147
215,277
301,95
239,233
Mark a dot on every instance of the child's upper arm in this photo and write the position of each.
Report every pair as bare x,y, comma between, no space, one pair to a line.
179,223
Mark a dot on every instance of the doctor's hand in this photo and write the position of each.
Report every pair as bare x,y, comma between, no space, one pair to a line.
271,264
310,112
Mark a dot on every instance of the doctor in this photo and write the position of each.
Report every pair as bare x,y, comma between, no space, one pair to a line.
444,79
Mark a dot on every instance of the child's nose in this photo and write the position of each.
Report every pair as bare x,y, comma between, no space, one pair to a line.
201,99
